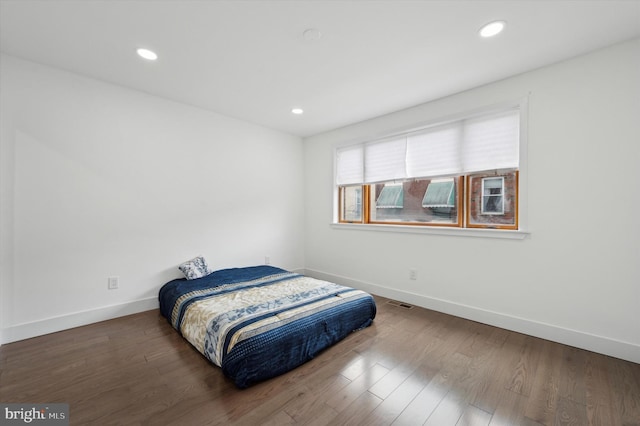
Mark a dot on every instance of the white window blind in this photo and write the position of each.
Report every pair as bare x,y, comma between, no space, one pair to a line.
435,152
487,142
385,160
350,165
491,142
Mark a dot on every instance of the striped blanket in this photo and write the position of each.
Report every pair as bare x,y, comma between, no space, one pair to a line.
261,321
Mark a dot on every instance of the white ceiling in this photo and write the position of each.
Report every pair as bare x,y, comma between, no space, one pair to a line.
249,59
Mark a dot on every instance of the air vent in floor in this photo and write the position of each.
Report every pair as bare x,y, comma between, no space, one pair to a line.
400,304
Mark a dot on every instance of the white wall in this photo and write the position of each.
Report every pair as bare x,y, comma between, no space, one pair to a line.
98,180
576,277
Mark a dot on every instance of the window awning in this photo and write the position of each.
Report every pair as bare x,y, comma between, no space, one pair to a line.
391,197
440,194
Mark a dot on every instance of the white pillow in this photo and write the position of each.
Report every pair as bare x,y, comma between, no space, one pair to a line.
195,268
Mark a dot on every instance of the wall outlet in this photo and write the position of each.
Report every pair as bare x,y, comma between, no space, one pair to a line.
113,282
267,260
413,274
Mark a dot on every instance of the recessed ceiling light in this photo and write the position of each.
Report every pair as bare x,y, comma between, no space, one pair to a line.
492,28
297,111
147,54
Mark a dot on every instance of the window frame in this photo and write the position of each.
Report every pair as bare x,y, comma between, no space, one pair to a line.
364,191
459,216
463,228
484,196
470,224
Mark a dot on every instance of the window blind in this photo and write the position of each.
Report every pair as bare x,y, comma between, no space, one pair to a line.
435,152
386,160
475,144
350,165
491,142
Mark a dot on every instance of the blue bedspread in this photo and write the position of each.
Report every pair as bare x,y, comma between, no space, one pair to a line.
259,322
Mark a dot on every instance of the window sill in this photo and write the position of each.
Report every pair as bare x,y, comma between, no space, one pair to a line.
457,232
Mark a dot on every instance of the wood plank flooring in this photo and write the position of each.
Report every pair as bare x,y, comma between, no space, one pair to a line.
411,367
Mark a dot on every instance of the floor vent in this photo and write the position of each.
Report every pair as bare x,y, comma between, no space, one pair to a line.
400,304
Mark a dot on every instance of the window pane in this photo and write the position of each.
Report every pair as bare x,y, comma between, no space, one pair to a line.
422,201
491,184
493,200
351,203
492,204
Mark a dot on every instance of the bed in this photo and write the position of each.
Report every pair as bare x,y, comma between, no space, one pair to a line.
261,321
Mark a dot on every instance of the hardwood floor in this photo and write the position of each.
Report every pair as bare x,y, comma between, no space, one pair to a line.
411,367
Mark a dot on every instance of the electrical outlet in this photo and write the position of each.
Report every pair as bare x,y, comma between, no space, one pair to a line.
267,260
112,283
413,274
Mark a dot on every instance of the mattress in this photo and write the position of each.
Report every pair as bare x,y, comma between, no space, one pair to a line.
262,321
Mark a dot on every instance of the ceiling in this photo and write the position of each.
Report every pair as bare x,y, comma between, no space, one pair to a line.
250,60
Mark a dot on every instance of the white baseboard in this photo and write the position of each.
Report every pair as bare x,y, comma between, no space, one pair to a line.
76,319
591,342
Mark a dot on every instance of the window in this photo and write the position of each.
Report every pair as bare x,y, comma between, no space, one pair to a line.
461,173
415,202
351,203
493,200
492,195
